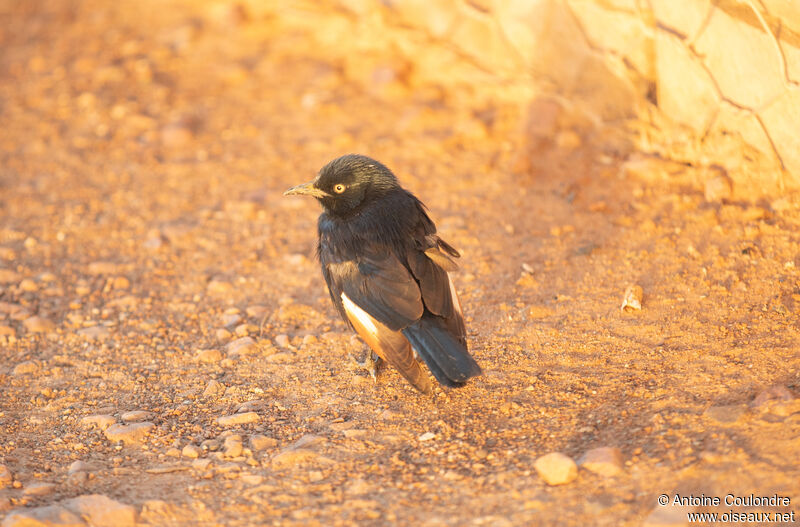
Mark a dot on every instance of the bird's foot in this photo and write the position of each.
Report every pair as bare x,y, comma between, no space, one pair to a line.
371,363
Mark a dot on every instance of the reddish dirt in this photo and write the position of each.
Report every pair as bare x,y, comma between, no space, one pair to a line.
144,155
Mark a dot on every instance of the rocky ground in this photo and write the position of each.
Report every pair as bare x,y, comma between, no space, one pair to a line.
169,354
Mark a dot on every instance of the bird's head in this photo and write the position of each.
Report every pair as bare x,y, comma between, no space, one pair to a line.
346,183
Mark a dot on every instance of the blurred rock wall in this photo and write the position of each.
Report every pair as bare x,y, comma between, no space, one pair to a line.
713,81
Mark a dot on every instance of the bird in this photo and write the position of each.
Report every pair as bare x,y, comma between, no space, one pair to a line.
387,272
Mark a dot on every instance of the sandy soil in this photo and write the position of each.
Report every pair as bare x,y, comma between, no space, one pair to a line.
144,153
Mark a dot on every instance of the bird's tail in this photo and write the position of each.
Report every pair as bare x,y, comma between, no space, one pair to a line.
446,357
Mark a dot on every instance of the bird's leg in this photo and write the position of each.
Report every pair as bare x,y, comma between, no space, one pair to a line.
371,363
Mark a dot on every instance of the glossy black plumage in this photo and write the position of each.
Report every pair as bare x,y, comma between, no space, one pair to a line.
386,270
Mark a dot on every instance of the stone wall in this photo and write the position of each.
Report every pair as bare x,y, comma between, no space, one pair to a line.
703,81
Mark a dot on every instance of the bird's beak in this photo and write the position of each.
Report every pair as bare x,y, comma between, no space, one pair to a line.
307,189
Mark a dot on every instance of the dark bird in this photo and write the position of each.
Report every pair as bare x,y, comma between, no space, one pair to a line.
387,271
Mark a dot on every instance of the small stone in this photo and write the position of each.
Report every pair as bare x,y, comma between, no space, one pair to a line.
201,464
101,421
568,140
427,436
136,416
95,332
725,414
5,477
282,341
39,489
231,319
260,442
604,461
37,324
7,331
7,276
232,447
79,466
101,268
172,452
49,516
632,299
191,451
26,368
242,330
223,335
239,419
209,355
251,479
293,457
556,468
242,346
102,511
120,282
28,285
214,388
129,434
309,339
256,312
718,186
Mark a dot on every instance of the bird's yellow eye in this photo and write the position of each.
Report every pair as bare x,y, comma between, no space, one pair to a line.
338,188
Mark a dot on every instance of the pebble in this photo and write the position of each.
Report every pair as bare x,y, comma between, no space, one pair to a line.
239,419
232,447
5,477
282,341
129,434
251,479
242,330
719,186
556,468
135,416
79,466
99,268
725,414
230,320
427,436
223,335
201,464
102,511
28,285
292,457
632,299
7,276
49,516
95,332
242,346
101,421
37,324
191,451
261,442
172,452
39,489
25,368
208,356
7,331
214,388
604,461
256,311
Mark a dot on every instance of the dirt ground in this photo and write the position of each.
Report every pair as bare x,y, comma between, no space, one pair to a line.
144,233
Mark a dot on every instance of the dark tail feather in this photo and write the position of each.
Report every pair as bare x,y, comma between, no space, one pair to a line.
447,359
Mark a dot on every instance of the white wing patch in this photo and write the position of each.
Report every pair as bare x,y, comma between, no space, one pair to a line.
359,314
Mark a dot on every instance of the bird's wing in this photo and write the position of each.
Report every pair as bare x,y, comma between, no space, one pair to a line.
391,346
430,258
378,297
380,285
